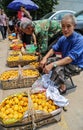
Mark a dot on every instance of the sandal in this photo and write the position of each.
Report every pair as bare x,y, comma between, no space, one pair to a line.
62,91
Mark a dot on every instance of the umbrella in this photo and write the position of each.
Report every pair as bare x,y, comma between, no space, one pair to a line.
28,4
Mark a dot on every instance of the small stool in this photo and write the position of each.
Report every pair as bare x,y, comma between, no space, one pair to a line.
70,84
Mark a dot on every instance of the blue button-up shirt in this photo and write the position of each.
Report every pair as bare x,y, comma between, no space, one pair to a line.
71,46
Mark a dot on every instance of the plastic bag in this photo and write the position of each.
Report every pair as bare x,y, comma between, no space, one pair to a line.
38,87
31,48
13,34
42,83
46,80
45,84
53,94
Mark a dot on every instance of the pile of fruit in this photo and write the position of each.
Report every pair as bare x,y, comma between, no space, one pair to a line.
12,58
12,74
30,73
22,57
10,37
13,108
15,46
40,102
12,52
34,64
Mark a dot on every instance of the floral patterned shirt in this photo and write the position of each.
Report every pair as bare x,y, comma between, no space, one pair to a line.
44,30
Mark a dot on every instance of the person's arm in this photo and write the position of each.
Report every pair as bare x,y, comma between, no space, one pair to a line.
44,60
64,61
50,53
60,62
34,39
26,13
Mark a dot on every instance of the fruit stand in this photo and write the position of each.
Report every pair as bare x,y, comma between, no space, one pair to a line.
26,110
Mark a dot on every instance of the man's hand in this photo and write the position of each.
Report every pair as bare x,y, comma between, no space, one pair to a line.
26,13
48,68
43,62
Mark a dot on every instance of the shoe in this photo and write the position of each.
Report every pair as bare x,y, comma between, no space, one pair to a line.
62,91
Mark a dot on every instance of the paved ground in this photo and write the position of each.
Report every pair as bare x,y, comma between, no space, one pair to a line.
70,120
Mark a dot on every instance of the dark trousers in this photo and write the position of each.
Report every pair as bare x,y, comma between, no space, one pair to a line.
60,73
2,31
5,31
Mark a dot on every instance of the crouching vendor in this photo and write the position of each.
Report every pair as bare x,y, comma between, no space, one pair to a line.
71,47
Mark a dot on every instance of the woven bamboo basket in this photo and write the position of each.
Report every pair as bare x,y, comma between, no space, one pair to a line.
21,62
16,63
19,82
11,38
34,118
14,53
40,120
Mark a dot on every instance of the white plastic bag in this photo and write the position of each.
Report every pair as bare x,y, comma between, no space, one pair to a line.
38,87
53,94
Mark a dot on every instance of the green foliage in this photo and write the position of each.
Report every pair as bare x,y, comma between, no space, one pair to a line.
45,6
8,12
1,5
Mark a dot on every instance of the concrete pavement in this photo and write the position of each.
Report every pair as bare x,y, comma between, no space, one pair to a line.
72,119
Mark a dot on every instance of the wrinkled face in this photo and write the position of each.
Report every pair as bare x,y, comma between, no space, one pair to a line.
67,27
28,30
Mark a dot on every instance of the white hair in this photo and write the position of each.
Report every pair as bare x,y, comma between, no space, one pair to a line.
69,16
25,22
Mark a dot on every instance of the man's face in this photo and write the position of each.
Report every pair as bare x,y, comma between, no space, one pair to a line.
67,27
28,30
